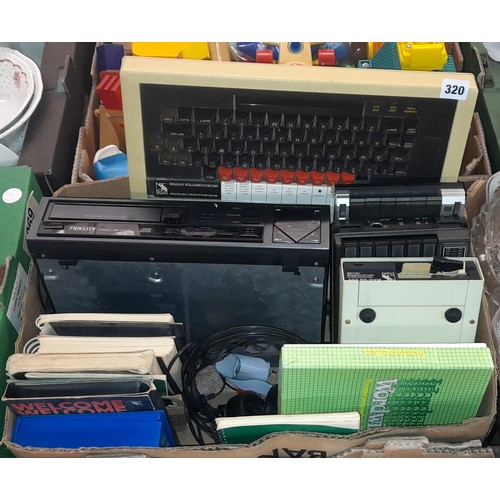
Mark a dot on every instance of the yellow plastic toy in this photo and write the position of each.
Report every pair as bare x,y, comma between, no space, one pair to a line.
425,56
182,50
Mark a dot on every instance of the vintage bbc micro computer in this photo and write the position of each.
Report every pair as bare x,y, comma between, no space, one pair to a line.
249,184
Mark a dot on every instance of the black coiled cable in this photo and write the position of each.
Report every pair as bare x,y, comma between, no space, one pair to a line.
198,354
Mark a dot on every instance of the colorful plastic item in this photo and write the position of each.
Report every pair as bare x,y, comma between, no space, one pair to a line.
110,162
181,50
109,90
422,56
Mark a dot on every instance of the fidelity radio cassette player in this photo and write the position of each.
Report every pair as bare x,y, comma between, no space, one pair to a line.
409,300
212,265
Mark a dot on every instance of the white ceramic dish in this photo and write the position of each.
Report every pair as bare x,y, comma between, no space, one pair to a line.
16,89
11,134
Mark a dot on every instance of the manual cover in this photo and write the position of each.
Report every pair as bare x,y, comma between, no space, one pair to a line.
41,397
390,385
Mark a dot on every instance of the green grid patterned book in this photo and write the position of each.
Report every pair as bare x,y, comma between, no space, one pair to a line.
390,385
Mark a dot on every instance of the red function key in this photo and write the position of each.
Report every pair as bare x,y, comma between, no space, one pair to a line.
302,177
241,174
287,176
317,178
256,175
347,178
332,178
225,173
272,176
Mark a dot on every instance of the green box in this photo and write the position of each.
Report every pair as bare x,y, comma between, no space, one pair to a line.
19,197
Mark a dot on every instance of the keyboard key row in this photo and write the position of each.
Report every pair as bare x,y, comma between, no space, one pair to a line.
295,128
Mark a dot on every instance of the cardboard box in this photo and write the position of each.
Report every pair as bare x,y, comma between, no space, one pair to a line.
19,196
292,445
51,136
476,162
103,127
487,72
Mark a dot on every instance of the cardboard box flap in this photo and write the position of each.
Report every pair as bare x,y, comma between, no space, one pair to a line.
278,445
417,447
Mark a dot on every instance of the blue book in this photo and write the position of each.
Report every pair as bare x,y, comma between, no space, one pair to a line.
130,429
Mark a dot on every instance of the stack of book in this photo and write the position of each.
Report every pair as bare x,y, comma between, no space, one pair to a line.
92,380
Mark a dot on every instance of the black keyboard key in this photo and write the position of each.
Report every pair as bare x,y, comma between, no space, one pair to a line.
392,126
174,143
221,146
228,160
372,124
165,158
213,160
253,147
360,139
363,153
205,116
275,120
316,151
291,164
182,158
284,149
260,162
258,119
282,135
237,147
266,134
180,129
348,152
379,155
332,152
398,156
184,115
268,148
156,143
378,140
322,165
249,133
306,164
205,145
298,136
190,144
400,169
201,131
355,124
244,161
393,142
307,121
276,163
198,159
233,132
385,168
410,127
330,137
291,121
226,116
345,138
168,115
339,123
300,150
243,117
218,132
407,142
314,137
323,122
